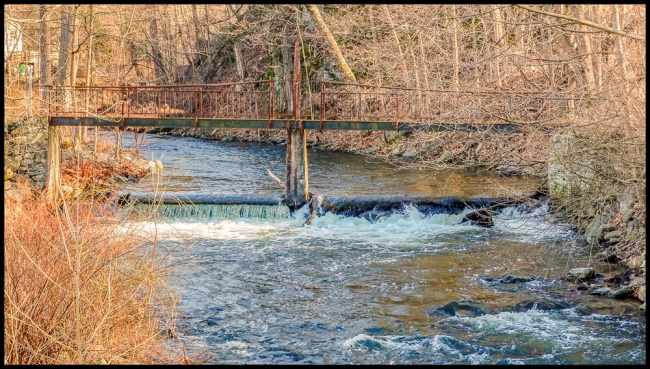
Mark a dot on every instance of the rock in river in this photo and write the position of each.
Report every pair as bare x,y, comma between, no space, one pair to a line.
581,274
619,293
519,279
481,218
540,304
460,308
600,291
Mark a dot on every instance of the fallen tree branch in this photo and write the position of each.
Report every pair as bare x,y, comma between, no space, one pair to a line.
276,179
582,21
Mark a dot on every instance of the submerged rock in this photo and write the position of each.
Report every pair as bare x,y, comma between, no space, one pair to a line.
540,304
581,274
229,138
374,215
599,291
460,308
512,279
481,218
620,293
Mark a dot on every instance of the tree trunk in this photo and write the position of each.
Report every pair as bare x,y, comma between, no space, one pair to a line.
239,62
89,64
586,49
53,168
74,55
455,46
618,45
62,76
335,47
197,38
423,56
498,34
118,144
287,64
44,47
372,25
159,66
399,47
184,45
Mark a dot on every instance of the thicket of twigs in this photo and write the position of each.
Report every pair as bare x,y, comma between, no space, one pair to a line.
77,288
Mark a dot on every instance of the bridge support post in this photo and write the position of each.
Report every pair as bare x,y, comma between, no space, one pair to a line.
297,185
53,166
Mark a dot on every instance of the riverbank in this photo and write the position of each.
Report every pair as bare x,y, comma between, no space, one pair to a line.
79,288
616,227
85,172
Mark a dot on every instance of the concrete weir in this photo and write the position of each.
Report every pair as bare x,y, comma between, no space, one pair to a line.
367,206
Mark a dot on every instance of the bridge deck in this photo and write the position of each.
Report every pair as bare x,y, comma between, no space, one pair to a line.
337,106
277,124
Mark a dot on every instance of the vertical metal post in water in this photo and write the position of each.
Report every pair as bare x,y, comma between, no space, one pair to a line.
297,184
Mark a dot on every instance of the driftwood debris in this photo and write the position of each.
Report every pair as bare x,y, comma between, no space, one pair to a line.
276,179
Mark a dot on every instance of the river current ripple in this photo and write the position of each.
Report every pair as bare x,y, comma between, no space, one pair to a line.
349,290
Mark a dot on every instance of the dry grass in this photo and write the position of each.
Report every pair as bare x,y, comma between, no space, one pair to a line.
89,174
78,289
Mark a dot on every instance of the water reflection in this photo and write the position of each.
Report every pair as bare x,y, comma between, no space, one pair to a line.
194,165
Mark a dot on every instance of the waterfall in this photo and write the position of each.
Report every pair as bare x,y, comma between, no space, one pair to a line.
212,211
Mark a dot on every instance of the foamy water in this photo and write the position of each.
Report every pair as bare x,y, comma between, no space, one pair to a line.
257,286
270,290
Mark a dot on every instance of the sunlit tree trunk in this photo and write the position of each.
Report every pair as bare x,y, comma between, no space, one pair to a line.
89,63
333,44
454,28
586,49
498,34
618,44
44,47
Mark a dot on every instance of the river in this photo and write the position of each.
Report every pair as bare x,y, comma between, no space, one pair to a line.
256,286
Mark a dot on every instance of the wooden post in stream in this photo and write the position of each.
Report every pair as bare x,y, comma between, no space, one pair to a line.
53,166
297,186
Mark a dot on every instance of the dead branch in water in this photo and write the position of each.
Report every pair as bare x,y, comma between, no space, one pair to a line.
276,179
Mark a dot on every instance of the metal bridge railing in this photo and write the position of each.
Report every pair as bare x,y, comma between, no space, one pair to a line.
244,100
330,101
357,102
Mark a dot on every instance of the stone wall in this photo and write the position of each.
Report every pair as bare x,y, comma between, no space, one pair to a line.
25,154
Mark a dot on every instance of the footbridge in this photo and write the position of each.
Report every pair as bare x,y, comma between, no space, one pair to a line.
324,105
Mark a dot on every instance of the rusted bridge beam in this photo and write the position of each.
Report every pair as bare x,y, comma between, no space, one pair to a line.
281,124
